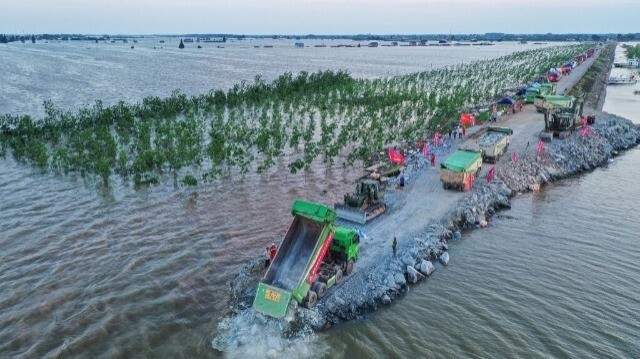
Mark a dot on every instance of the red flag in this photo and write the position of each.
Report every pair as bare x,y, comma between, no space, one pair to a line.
540,146
468,183
491,173
395,157
465,119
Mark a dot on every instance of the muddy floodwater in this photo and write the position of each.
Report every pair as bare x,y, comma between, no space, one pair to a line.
88,272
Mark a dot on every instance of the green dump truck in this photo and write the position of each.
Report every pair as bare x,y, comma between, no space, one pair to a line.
542,90
550,88
314,256
552,101
459,170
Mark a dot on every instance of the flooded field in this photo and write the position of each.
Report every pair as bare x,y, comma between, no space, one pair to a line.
143,272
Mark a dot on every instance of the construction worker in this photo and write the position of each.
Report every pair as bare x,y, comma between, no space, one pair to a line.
394,246
267,257
272,251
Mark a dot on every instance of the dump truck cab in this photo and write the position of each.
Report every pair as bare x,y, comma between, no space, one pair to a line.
345,245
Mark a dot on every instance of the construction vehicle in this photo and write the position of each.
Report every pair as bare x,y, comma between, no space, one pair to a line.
364,204
459,170
561,122
552,101
549,88
494,143
314,255
540,90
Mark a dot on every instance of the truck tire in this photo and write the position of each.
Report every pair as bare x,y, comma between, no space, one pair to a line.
348,268
339,276
320,289
311,300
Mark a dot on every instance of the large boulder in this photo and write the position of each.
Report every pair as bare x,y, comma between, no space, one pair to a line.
408,260
399,279
426,267
413,275
444,258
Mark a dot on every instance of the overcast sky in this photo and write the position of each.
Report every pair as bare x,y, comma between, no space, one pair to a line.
318,16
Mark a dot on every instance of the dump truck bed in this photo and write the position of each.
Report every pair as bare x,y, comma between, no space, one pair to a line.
456,171
294,255
462,161
494,143
551,101
286,277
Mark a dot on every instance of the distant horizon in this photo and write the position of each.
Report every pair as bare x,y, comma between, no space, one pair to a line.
237,34
261,17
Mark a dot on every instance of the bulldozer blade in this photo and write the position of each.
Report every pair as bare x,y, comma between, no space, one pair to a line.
350,214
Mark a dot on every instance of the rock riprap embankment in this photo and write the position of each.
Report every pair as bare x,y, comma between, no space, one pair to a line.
576,154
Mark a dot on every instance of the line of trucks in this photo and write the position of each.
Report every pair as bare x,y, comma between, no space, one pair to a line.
562,116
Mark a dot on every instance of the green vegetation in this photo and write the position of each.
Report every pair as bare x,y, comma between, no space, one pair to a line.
327,116
632,51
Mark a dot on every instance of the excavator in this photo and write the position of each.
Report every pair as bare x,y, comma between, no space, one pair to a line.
363,205
561,122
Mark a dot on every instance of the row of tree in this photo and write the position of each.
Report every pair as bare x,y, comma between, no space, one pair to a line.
292,122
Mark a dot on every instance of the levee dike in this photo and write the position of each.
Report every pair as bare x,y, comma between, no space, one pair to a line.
425,217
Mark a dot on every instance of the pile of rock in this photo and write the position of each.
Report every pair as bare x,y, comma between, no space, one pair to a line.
578,153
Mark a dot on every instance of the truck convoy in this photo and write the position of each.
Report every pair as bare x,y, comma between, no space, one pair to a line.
363,205
314,256
459,170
